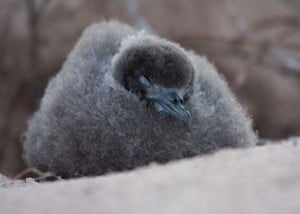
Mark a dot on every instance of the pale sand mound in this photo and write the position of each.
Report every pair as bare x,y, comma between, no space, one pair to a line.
260,180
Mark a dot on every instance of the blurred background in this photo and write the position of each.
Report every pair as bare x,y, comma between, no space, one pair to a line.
254,44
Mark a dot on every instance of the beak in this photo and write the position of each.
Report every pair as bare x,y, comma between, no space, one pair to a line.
172,103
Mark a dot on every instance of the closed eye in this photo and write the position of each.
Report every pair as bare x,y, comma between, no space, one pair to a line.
144,81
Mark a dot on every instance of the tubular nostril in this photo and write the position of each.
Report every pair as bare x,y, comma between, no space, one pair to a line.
174,97
173,100
177,100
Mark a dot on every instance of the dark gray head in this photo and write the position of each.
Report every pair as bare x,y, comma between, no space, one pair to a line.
159,73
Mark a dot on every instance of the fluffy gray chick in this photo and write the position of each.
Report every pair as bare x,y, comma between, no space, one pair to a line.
124,99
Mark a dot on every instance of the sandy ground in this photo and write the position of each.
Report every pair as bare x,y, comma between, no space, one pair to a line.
264,179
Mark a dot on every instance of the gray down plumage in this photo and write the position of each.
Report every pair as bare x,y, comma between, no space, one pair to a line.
88,123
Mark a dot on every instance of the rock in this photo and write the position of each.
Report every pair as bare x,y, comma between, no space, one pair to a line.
263,179
8,183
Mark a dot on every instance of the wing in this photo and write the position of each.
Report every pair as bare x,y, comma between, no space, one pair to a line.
67,114
220,119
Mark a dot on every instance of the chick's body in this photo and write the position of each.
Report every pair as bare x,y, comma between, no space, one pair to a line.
88,123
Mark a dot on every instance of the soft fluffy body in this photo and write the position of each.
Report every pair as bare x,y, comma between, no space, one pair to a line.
89,124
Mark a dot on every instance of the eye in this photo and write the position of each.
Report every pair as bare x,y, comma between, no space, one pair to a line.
144,81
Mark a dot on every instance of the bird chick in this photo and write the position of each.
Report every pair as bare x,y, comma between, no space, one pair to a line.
125,99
